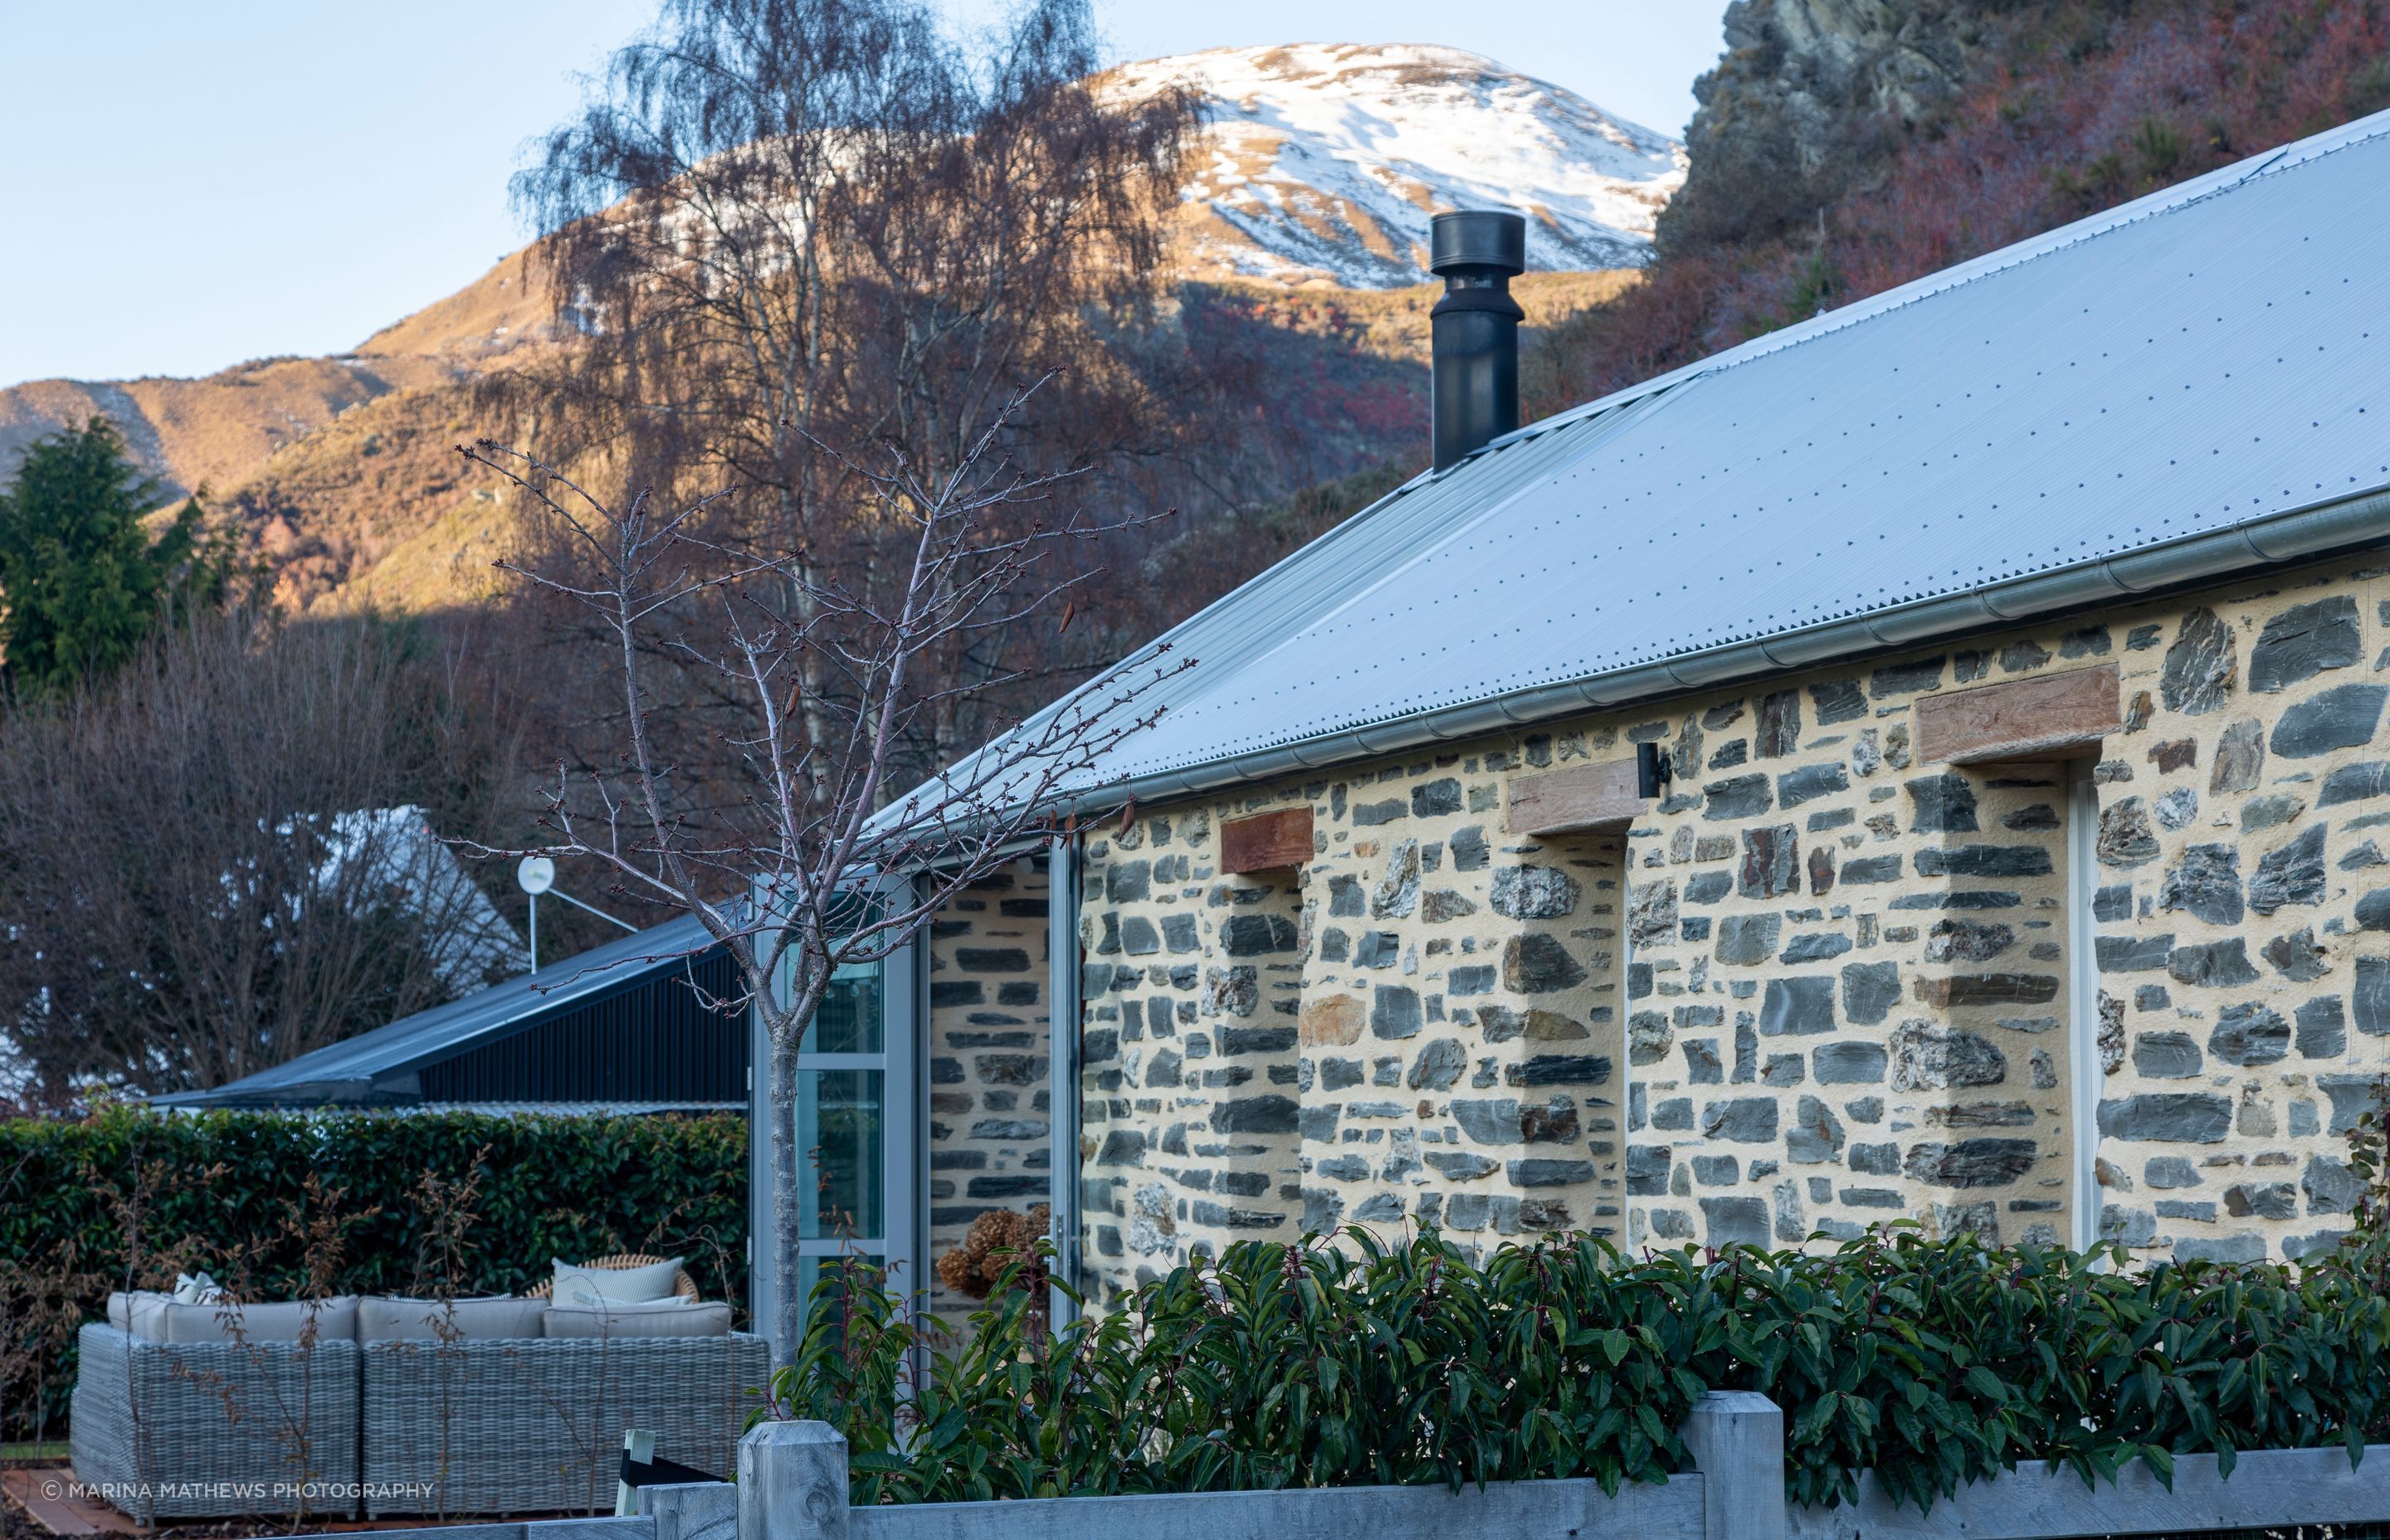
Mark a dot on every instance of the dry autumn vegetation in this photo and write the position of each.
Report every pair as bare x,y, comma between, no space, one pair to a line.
999,1250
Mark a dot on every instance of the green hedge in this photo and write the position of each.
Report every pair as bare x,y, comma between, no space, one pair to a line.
278,1204
1931,1362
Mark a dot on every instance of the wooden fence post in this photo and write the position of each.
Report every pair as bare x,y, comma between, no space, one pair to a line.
793,1482
1737,1441
692,1511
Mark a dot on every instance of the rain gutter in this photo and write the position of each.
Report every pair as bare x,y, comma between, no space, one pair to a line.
2263,541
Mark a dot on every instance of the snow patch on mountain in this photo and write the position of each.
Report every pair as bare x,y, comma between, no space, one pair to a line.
1325,160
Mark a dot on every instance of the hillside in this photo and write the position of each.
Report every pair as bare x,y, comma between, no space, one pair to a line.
503,309
213,432
1301,237
377,507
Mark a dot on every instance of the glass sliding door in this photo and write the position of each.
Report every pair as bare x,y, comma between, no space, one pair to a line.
857,1129
843,1115
853,1139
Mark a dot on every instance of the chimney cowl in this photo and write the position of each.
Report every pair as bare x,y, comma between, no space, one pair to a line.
1474,329
1477,237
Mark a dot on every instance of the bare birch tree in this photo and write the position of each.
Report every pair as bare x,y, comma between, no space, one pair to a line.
782,224
821,862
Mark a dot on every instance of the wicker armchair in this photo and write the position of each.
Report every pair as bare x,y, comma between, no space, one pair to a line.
536,1425
209,1429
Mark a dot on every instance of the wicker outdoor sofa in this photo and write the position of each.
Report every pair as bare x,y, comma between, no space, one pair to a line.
499,1405
530,1425
212,1430
535,1426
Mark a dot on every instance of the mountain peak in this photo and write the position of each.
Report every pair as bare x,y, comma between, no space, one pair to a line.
1323,161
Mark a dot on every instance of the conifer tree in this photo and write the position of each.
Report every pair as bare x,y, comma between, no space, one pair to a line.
81,579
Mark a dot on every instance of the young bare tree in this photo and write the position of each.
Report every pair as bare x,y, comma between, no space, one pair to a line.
783,224
826,858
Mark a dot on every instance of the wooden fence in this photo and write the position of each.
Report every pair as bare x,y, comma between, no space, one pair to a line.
793,1486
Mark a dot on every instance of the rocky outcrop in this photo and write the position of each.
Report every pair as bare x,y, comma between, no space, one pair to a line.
1809,101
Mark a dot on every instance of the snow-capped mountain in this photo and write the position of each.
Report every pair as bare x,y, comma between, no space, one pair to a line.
1324,160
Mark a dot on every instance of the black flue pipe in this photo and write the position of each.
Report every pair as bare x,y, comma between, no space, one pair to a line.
1474,329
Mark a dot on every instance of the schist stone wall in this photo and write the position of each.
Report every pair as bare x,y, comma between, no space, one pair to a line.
1397,1026
988,1058
1824,981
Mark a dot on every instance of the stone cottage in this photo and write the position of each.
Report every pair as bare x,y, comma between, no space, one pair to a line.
1923,764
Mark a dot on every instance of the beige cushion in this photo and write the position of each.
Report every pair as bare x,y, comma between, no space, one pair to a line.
581,1287
283,1321
122,1303
124,1310
676,1318
394,1318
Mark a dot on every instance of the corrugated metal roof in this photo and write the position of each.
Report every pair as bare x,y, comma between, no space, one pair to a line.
480,1017
2172,367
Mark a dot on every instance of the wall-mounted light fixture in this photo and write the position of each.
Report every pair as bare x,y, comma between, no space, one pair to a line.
1652,771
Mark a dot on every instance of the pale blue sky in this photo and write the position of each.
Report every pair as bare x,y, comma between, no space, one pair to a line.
188,185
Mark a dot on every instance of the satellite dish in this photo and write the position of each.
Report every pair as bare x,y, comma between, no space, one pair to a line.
535,875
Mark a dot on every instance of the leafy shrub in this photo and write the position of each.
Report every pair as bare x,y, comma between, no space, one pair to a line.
412,1203
1938,1363
1934,1363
